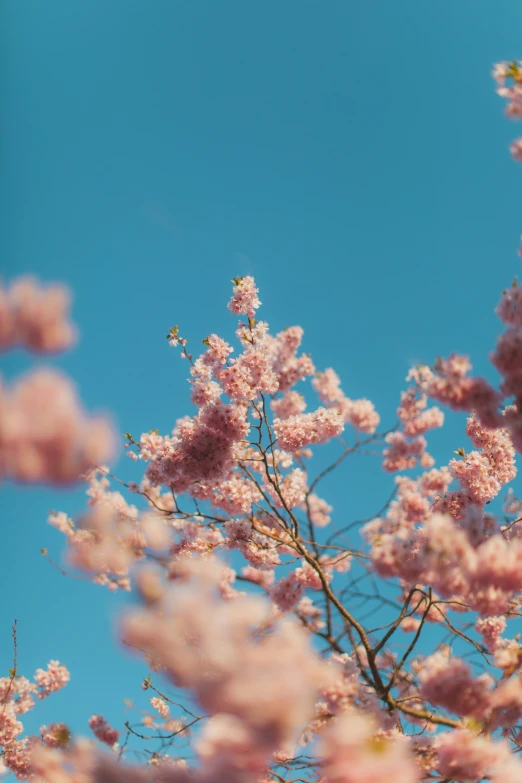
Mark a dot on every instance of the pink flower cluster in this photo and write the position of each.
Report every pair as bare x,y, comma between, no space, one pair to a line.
52,679
403,454
290,404
462,755
249,376
259,550
202,449
244,300
415,417
287,593
319,510
491,630
55,735
161,706
482,474
449,383
507,358
288,367
356,752
35,317
16,698
361,414
102,731
306,429
267,364
44,434
208,646
407,446
485,576
447,682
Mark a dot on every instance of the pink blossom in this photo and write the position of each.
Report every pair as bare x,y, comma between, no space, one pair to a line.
431,419
228,747
35,317
55,735
435,482
307,428
53,679
289,367
509,309
457,504
508,655
106,546
363,416
327,384
447,682
355,752
402,454
244,300
286,593
464,756
269,683
474,475
319,510
311,613
508,771
103,731
308,576
10,726
290,404
202,449
160,705
292,489
217,352
491,629
450,385
253,333
17,756
17,693
506,703
235,495
516,149
248,376
205,392
44,434
501,72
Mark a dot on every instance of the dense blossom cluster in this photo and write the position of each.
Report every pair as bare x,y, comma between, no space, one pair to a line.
307,429
297,636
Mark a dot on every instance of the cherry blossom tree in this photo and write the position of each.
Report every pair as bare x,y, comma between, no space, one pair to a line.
278,644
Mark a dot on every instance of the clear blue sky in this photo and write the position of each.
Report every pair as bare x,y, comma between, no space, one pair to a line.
351,155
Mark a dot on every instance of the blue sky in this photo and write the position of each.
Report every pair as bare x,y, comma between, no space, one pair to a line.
352,156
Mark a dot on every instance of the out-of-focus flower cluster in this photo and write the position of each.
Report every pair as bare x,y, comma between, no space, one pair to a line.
35,317
45,436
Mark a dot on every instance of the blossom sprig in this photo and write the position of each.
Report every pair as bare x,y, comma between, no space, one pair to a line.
174,339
